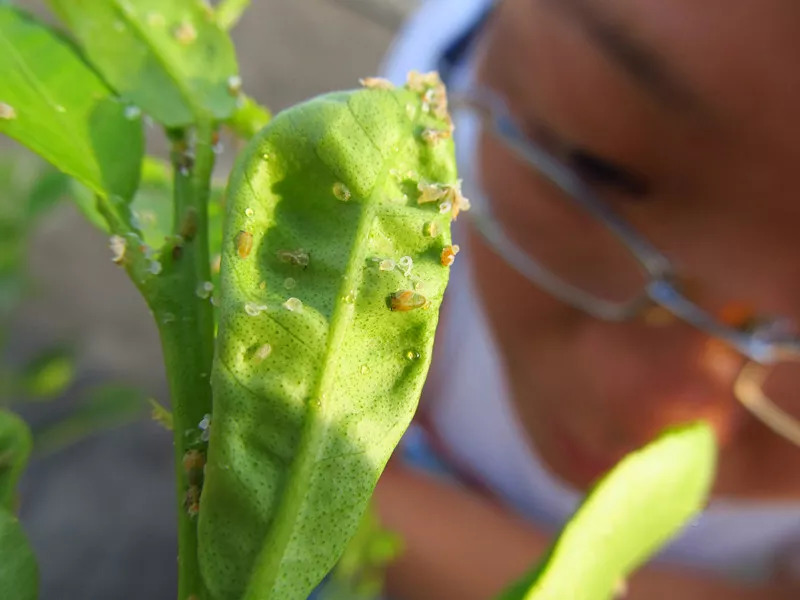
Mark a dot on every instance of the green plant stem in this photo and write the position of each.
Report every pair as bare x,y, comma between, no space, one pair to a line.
186,326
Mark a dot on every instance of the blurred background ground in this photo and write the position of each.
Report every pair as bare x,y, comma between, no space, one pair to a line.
101,513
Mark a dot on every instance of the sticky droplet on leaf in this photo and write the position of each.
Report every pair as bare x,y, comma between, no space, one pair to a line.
155,19
387,264
185,33
253,309
244,243
249,211
154,267
132,112
448,256
406,300
350,297
293,304
117,244
204,289
341,191
289,283
412,355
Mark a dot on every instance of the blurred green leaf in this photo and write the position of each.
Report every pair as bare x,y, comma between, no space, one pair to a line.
52,102
360,572
107,406
250,118
18,571
169,58
230,11
15,447
629,515
49,374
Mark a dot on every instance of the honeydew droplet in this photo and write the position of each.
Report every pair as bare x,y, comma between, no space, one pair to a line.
155,19
132,112
293,304
289,283
341,191
249,211
154,267
253,309
412,355
7,112
387,264
204,290
350,297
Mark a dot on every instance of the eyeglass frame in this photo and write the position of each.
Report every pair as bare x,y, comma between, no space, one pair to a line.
660,290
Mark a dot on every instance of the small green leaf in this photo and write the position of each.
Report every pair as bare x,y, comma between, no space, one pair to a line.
49,374
160,414
315,377
250,118
106,407
15,447
631,513
19,575
53,103
230,11
169,58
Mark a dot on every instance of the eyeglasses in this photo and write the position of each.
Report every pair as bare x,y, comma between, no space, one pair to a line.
612,272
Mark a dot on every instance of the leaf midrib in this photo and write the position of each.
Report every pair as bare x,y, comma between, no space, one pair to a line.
317,418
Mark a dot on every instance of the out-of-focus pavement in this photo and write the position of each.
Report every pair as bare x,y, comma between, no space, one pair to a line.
101,514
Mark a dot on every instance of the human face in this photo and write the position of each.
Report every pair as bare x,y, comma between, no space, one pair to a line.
694,141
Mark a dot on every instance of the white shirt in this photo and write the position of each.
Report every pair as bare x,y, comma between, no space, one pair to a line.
473,414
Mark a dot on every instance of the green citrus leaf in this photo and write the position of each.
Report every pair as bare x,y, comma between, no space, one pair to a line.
169,58
315,376
15,447
631,513
53,103
19,574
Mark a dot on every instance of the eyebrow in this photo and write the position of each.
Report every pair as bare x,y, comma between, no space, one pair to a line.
642,64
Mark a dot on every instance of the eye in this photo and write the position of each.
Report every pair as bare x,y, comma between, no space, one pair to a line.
600,172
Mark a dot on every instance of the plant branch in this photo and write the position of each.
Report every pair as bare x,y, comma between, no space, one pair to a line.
186,325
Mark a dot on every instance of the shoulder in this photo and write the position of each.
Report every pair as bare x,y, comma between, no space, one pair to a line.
427,34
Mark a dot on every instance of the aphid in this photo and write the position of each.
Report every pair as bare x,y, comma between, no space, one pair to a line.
234,85
191,502
406,300
244,243
298,258
189,224
431,192
185,33
376,83
448,256
432,136
193,460
341,191
7,112
262,352
117,244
